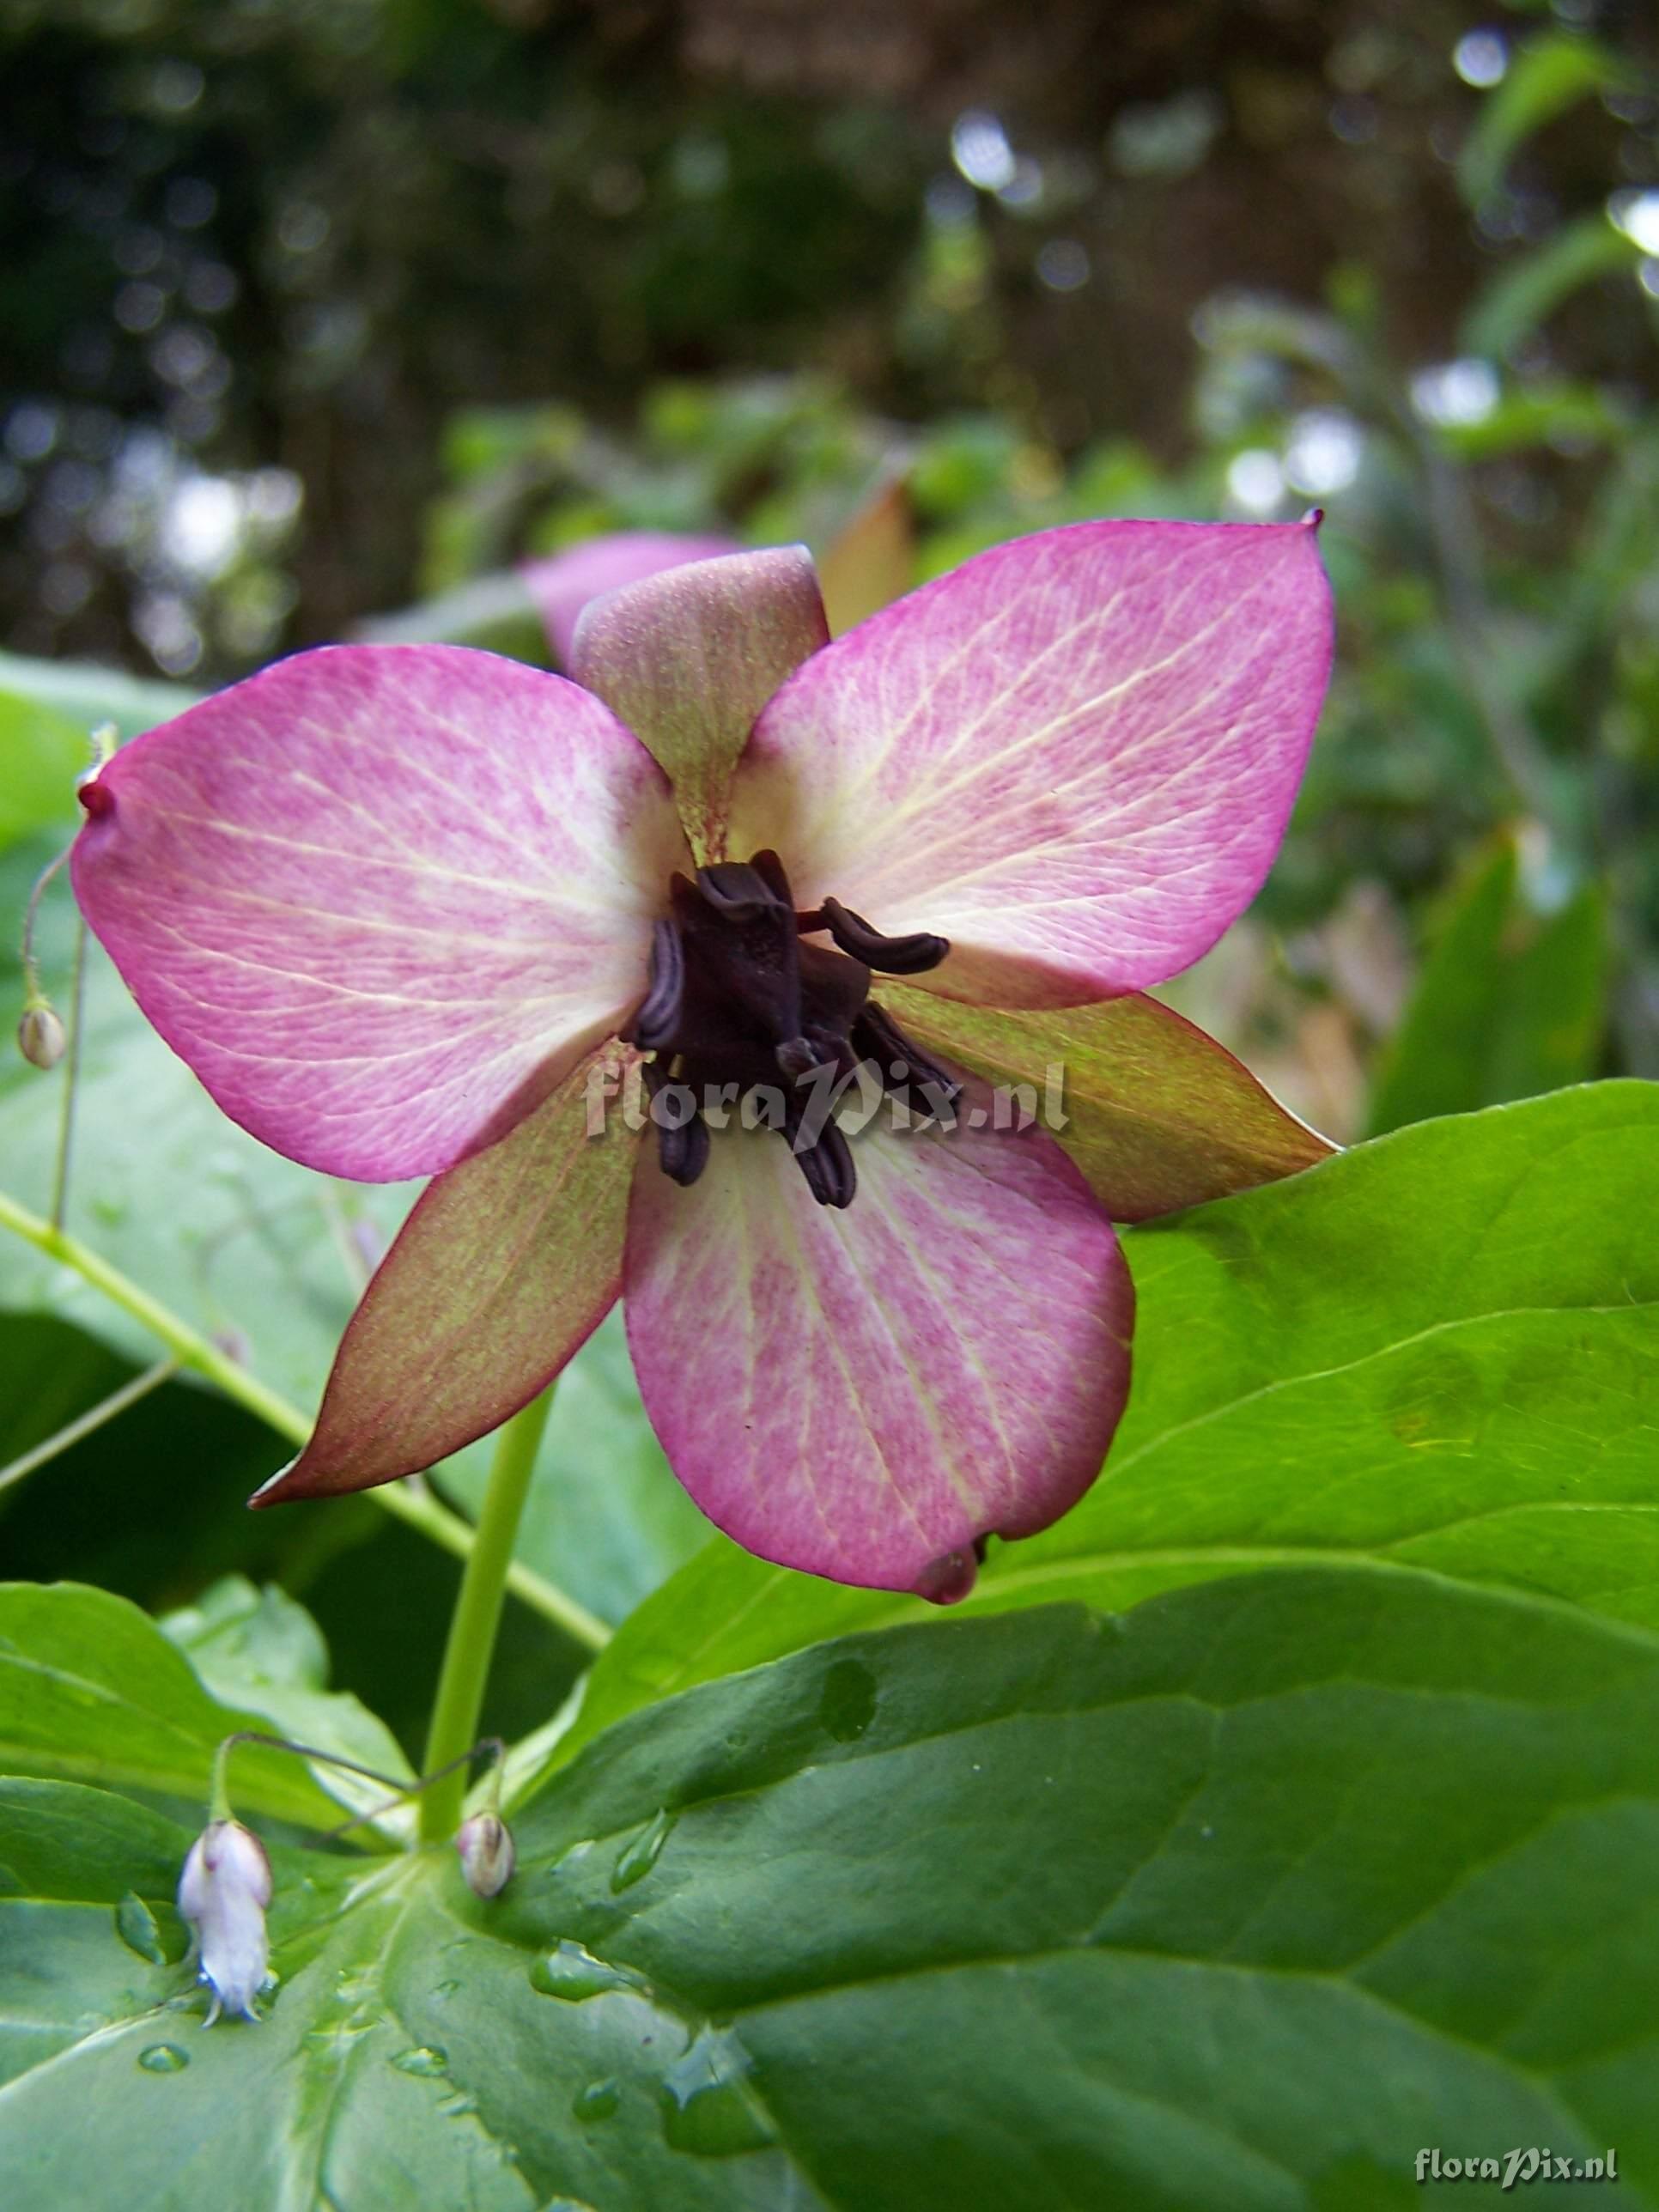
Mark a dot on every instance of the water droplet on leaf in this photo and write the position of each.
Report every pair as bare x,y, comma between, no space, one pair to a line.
598,2100
163,2059
707,2106
847,1704
135,1925
637,1859
428,2059
569,1971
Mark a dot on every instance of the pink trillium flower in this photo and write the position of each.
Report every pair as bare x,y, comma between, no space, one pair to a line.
416,909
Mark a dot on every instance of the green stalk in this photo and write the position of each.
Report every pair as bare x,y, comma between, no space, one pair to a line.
87,1424
418,1507
478,1615
71,1077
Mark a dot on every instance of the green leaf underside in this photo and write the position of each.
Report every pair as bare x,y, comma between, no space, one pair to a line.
1237,1902
1159,1116
1440,1351
259,1649
92,1690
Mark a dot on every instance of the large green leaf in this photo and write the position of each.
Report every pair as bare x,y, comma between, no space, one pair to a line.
91,1690
1440,1348
1509,1002
1236,1903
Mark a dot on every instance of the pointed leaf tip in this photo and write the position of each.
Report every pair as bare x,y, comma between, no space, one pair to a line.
503,1269
271,1491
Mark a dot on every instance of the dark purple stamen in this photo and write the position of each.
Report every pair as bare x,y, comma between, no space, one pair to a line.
735,1001
906,1071
654,1023
888,956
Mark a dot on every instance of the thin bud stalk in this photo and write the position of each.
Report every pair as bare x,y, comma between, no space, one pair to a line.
85,1425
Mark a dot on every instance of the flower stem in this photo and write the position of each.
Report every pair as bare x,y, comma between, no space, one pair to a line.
477,1614
415,1506
71,1079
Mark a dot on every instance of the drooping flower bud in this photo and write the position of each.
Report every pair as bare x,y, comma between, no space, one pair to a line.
40,1036
487,1857
223,1894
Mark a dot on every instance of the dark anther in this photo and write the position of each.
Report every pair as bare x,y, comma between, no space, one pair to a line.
797,1056
768,866
738,889
684,1153
888,956
905,1070
682,1135
658,1016
736,1001
827,1163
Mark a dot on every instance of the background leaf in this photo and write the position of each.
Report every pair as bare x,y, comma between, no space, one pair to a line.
44,751
1510,1003
86,696
1546,77
257,1648
605,1516
90,1689
1525,292
1055,1908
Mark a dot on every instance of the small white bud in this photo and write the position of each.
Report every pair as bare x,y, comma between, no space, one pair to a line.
40,1037
223,1894
488,1859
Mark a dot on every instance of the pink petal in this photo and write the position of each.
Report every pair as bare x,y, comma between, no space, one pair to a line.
562,584
1156,1115
504,1268
688,659
381,897
862,1394
1075,756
